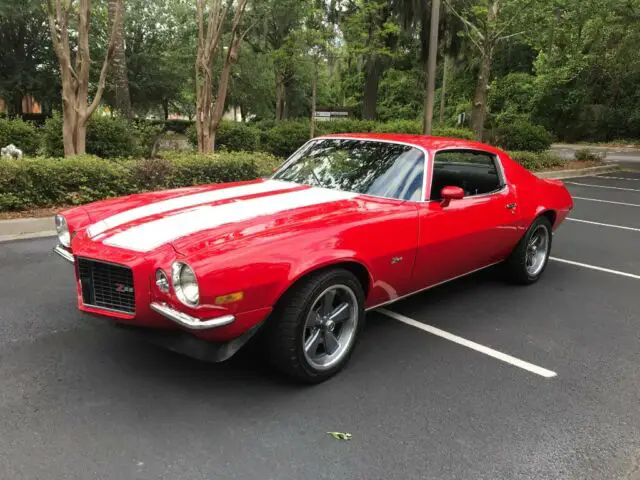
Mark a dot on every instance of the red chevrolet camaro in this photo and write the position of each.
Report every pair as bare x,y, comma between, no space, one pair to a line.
347,224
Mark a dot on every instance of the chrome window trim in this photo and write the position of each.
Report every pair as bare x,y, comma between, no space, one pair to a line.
425,166
496,158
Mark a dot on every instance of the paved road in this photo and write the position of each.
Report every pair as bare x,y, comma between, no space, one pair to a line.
625,157
82,400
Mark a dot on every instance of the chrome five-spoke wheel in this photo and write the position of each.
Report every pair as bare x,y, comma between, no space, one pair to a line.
529,259
330,326
315,326
537,250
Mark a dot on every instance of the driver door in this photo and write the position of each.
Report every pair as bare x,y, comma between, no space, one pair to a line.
470,233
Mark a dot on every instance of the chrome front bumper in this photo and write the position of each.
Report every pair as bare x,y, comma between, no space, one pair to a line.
64,253
187,321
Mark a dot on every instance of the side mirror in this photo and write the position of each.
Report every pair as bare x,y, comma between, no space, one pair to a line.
450,193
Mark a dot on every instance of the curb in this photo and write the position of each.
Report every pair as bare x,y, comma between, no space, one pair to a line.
597,148
579,172
22,228
25,236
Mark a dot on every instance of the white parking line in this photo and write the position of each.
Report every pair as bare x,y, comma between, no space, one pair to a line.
607,201
620,178
605,224
603,186
469,344
595,267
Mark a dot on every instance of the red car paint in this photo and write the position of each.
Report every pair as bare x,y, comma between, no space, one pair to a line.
400,247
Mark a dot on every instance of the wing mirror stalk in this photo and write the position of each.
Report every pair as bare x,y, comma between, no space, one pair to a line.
450,193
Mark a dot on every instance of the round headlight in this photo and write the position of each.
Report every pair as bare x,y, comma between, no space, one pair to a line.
63,231
185,284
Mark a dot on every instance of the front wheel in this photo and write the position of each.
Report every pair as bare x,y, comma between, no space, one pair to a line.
316,326
529,259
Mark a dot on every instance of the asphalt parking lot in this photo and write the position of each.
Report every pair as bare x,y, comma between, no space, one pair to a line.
480,379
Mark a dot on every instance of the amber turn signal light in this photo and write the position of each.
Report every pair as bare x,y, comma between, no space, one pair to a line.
229,298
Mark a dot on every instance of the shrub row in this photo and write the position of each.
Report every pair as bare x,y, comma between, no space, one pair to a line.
537,160
284,138
42,182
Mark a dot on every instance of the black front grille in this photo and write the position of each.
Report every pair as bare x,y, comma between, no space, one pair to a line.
106,285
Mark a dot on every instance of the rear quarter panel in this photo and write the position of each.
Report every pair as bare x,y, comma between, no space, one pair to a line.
536,195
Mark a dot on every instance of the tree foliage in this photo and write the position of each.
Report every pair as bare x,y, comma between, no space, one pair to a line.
569,66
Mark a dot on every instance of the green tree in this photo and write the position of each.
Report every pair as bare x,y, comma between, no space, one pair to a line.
488,23
119,59
161,49
26,58
371,30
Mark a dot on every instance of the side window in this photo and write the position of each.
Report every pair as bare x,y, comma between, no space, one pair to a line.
476,172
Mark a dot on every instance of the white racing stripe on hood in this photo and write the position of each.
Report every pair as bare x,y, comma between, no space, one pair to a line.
186,201
146,237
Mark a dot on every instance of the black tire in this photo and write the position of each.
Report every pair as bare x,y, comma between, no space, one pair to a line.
515,266
285,331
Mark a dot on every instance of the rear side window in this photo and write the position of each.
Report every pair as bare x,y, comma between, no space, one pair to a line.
476,172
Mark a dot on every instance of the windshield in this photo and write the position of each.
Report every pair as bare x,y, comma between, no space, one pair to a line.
387,170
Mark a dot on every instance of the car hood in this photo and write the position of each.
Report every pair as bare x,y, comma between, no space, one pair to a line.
192,219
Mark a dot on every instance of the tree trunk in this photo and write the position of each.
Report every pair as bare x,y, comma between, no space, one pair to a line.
74,76
210,112
14,105
443,90
119,60
314,87
165,108
373,72
479,106
281,94
431,67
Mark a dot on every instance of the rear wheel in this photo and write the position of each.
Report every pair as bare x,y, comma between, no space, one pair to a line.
316,326
529,259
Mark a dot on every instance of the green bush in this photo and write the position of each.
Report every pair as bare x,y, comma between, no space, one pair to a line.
36,182
285,138
451,132
45,181
22,134
400,126
537,160
110,138
231,136
237,137
521,135
345,126
52,136
145,136
106,137
586,155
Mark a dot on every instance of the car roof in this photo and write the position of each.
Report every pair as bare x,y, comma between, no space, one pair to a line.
427,142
